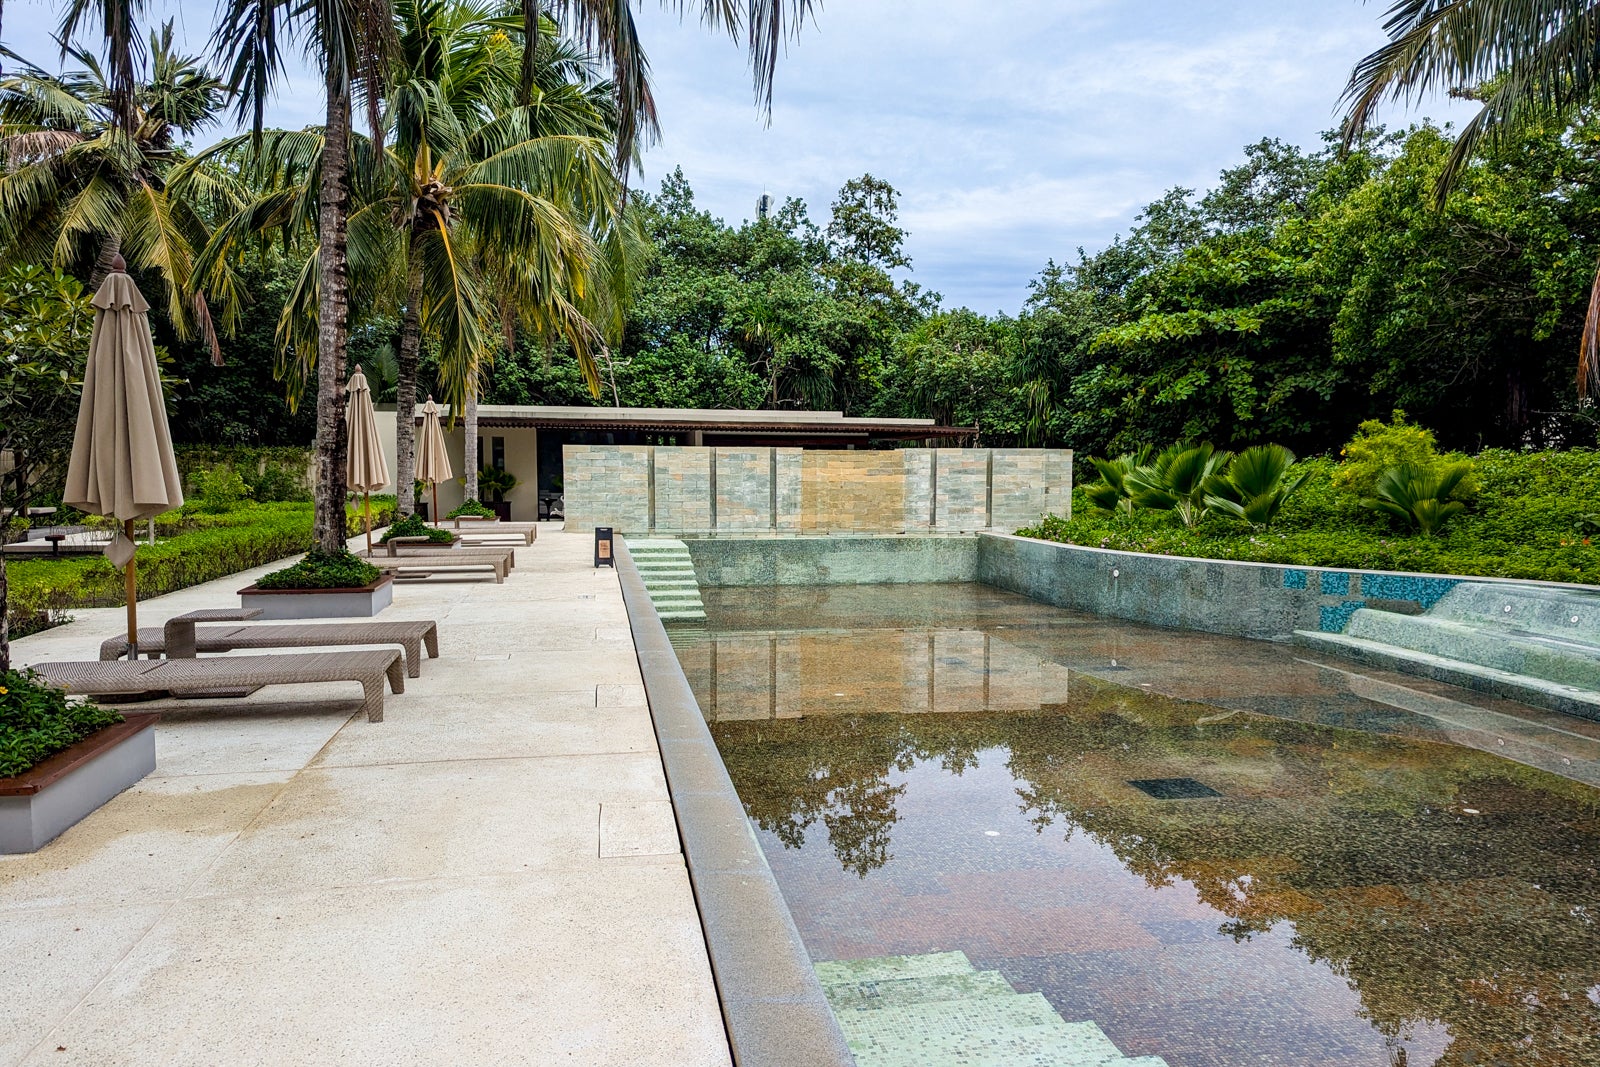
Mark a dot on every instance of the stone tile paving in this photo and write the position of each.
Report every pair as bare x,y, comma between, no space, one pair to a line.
491,875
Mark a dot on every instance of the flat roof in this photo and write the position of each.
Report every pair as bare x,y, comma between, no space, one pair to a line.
719,420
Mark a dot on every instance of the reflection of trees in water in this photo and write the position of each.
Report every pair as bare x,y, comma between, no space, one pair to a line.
1482,923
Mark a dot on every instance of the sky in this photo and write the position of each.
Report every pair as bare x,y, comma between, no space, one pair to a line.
1016,132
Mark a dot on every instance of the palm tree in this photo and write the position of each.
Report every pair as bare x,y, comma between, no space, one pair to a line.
77,188
475,220
352,42
1533,59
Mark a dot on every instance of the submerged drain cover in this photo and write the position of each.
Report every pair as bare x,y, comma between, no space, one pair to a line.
1174,788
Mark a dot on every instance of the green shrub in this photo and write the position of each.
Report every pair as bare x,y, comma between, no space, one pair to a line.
413,526
1112,492
275,482
218,490
1379,446
1523,525
471,507
322,570
36,721
383,512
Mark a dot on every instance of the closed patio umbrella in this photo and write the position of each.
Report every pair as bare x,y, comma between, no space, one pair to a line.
365,469
122,464
433,466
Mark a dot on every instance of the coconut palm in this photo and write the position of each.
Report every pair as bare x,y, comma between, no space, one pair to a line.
77,188
1532,58
479,217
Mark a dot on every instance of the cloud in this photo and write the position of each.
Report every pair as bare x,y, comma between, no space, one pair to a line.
1016,131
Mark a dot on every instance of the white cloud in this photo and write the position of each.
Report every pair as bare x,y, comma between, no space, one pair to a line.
1016,131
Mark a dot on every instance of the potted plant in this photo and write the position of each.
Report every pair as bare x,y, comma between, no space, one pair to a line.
494,483
322,585
472,509
61,760
414,526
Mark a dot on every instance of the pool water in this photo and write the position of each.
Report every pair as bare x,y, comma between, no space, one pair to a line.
1223,852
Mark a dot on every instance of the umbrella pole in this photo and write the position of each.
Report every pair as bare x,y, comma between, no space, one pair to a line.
435,487
368,509
130,587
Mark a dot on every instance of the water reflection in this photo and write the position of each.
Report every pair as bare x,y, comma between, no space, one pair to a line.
1360,896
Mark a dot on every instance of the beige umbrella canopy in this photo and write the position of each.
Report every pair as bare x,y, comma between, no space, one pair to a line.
433,466
365,468
122,463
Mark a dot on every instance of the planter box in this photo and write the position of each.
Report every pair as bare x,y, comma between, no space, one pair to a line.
361,603
38,805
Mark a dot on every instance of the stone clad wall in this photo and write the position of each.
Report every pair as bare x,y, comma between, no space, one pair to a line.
640,489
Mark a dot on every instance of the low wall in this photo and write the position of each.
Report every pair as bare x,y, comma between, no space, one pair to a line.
743,492
728,561
1260,600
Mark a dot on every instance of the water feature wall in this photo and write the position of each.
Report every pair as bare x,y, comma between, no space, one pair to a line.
746,492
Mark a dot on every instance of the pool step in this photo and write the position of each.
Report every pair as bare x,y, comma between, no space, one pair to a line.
668,574
1539,645
914,1011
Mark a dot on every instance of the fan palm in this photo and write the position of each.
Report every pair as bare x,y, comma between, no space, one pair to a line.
1536,58
77,188
1180,479
1419,496
1257,485
1113,491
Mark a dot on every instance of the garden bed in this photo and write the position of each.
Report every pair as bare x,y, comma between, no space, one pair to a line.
42,802
1532,517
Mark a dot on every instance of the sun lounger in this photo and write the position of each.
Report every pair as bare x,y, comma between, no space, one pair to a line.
449,559
475,529
180,641
180,676
397,546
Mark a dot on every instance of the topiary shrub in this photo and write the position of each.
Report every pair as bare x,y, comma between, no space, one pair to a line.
36,721
322,570
413,526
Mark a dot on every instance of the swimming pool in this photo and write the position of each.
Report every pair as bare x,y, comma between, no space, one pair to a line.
1223,852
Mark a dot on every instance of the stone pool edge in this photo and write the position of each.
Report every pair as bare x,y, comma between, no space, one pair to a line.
772,1002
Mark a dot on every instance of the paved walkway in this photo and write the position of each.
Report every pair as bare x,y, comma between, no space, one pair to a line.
490,876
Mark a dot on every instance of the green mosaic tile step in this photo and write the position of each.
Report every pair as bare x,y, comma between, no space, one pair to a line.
873,995
648,571
657,544
662,596
978,1017
1059,1045
682,616
891,968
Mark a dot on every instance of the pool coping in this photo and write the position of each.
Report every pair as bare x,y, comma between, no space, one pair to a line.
773,1007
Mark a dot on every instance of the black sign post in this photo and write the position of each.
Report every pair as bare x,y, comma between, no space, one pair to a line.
602,547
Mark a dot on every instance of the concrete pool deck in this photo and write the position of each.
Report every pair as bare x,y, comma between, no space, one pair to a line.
490,875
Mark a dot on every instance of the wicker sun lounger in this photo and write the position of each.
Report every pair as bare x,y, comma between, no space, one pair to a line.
430,562
476,529
179,676
410,546
172,641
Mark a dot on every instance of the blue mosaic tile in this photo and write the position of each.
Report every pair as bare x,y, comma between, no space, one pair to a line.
1336,616
1335,583
1296,579
1425,591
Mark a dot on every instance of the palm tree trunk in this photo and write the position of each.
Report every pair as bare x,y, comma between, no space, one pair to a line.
469,426
110,248
5,620
405,394
328,526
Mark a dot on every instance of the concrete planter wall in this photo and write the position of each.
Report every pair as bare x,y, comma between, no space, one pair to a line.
362,603
40,804
1268,601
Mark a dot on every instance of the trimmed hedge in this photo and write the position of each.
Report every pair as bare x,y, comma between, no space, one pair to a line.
208,547
36,721
1532,518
